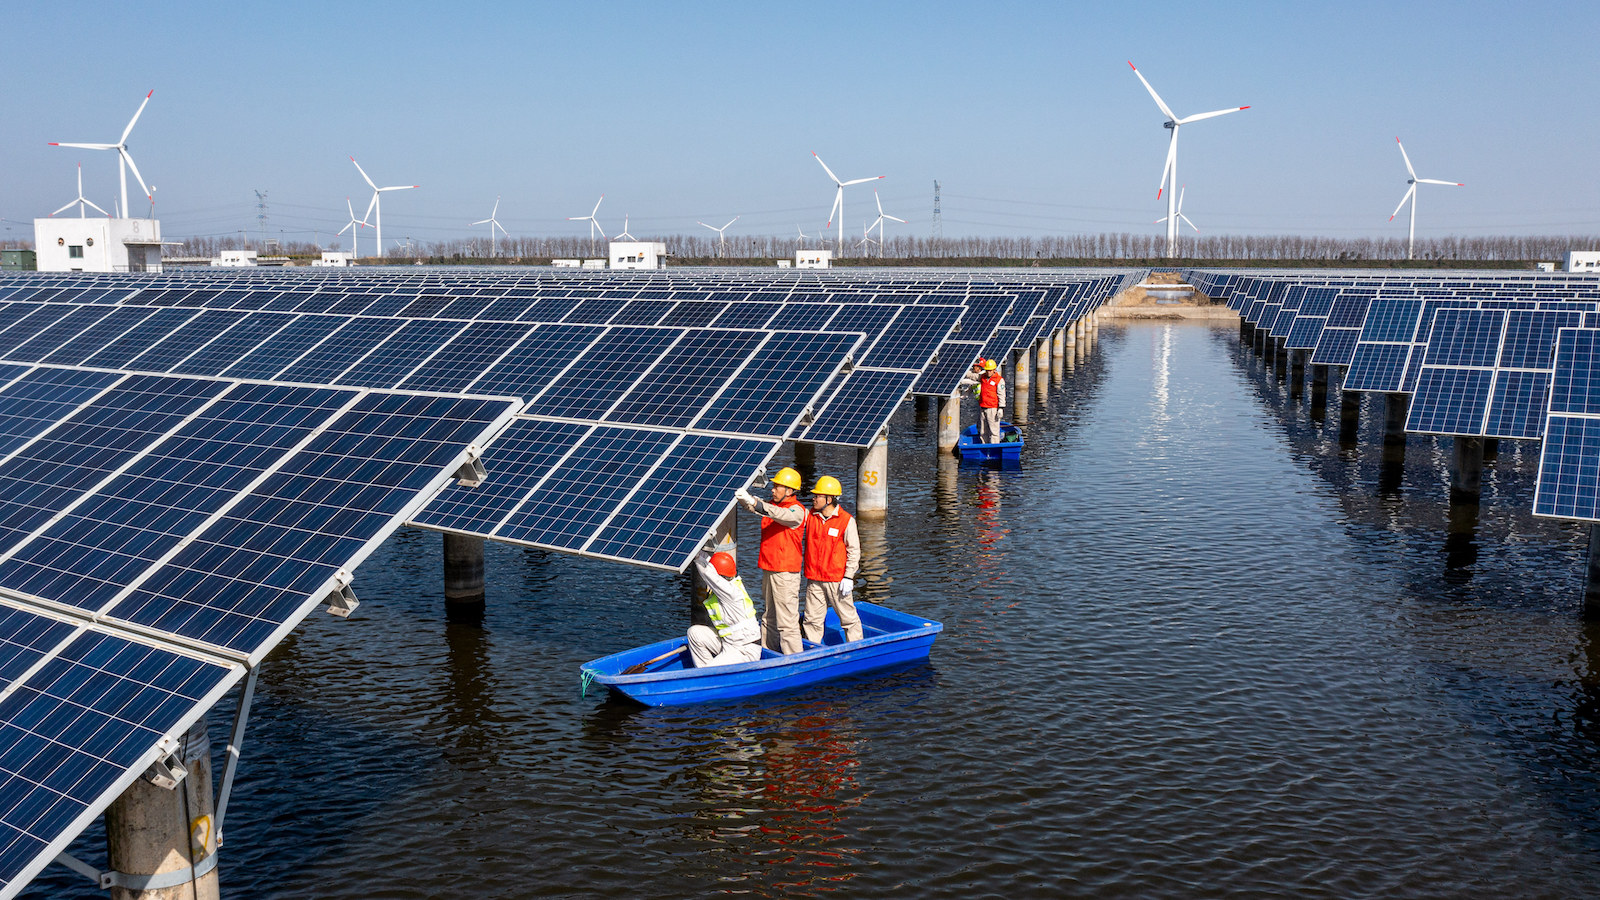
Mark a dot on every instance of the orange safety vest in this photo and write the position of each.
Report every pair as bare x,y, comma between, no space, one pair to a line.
989,391
826,553
780,544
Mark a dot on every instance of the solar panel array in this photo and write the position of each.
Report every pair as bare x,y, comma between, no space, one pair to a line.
1569,468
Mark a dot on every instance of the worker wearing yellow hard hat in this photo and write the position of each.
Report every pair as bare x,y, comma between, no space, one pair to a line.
781,559
832,553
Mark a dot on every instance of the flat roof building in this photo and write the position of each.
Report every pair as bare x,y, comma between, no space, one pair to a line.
97,245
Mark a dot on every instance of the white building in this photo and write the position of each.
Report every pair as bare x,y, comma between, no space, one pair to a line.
1577,261
813,259
234,259
98,245
566,263
638,255
335,258
594,264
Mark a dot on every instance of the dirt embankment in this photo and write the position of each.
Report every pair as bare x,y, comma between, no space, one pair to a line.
1164,295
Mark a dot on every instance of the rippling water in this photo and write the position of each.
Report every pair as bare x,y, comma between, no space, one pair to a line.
1195,645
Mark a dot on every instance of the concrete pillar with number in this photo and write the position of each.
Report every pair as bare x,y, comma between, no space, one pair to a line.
872,479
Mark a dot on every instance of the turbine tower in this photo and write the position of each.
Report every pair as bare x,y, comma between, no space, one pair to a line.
493,223
82,200
879,222
722,244
1169,173
593,222
376,204
837,212
354,226
1411,195
125,160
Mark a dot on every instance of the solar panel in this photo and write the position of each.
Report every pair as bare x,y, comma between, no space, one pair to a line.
943,377
912,338
93,339
595,381
579,496
679,386
464,359
402,352
779,382
518,460
277,352
1568,484
328,360
859,408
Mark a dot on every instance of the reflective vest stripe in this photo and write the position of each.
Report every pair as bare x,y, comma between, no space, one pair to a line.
719,616
826,553
780,544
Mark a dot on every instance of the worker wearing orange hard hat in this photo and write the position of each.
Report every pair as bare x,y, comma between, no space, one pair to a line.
782,528
734,635
833,551
990,386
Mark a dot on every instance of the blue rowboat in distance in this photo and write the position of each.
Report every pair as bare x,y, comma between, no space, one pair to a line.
890,638
1009,448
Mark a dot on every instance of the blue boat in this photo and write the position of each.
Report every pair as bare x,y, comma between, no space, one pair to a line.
890,638
1009,448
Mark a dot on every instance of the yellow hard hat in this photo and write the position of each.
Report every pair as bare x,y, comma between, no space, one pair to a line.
829,485
788,478
989,366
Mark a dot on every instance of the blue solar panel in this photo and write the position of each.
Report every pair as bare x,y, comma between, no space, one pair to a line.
1335,346
676,389
35,321
1377,367
95,338
232,345
402,352
277,352
1391,319
595,311
536,361
749,314
1450,401
465,358
30,406
781,379
673,511
517,460
1569,468
1517,409
802,317
604,372
581,493
1465,337
239,583
643,312
912,338
1530,339
329,359
859,408
693,314
96,548
941,378
178,344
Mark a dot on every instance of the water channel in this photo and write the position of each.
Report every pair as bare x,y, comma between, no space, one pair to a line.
1196,645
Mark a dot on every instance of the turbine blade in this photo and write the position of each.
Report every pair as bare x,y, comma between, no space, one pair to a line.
1211,115
363,174
482,222
825,168
398,187
894,219
878,200
91,203
351,208
1166,169
1437,181
732,220
838,205
1153,95
372,203
596,210
1409,191
863,180
67,207
704,224
129,130
87,146
1185,219
129,160
1412,172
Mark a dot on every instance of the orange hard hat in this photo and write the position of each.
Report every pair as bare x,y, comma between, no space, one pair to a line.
724,564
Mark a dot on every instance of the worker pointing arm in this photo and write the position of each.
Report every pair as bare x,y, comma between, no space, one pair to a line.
782,530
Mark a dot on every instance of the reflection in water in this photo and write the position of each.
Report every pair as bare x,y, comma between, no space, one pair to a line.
991,529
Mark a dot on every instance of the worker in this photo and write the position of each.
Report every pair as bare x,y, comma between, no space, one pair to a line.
833,551
734,635
783,523
991,387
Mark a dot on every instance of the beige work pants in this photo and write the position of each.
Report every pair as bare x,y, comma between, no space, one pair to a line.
820,596
780,618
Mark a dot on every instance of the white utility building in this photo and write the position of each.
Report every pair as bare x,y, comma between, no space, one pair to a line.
638,255
234,259
98,245
813,259
1577,261
335,258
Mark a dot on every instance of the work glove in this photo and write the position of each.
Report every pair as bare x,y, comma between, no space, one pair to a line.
846,585
744,496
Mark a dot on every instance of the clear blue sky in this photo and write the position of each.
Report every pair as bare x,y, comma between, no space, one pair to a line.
1027,113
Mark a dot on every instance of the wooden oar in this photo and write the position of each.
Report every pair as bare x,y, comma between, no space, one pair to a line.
638,668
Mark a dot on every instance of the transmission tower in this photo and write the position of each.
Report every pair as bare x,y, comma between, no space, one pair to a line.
261,216
938,219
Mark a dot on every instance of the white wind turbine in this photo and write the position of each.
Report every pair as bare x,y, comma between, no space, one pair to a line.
593,222
354,227
879,223
1169,173
722,244
376,204
125,161
625,233
837,212
82,199
1411,195
801,243
1181,217
493,223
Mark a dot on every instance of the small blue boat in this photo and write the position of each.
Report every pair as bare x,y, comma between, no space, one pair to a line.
1008,449
890,638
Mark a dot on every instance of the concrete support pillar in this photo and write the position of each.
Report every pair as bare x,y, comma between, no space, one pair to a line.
152,830
463,577
872,479
1280,359
949,431
1058,350
1491,449
1041,359
1392,470
1021,387
805,459
1319,394
1466,473
1080,339
1349,416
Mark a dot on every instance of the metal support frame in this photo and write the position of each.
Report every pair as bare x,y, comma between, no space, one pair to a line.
341,600
471,472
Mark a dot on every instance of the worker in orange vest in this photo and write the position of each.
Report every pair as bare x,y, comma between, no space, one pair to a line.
833,551
991,399
782,528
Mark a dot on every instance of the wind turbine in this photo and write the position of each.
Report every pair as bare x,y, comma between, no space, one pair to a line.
82,199
376,204
625,233
493,223
355,225
879,223
838,198
593,222
1181,217
722,244
1169,174
801,243
125,161
1411,195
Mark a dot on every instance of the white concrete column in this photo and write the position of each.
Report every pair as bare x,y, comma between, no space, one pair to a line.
872,479
1021,387
949,432
152,830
